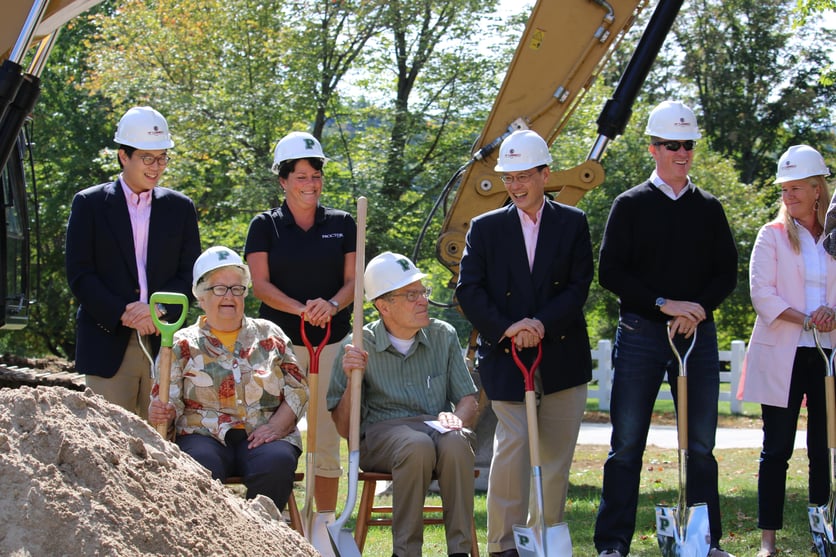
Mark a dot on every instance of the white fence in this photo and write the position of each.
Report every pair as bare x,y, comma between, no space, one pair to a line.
602,374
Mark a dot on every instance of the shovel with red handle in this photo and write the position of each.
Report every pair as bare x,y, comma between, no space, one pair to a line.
537,540
313,407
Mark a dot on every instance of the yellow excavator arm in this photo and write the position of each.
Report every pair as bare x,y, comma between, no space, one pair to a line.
53,15
565,45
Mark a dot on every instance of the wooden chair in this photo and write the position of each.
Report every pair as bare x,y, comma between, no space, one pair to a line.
367,508
292,509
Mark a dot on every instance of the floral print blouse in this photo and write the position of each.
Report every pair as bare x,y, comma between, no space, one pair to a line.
215,390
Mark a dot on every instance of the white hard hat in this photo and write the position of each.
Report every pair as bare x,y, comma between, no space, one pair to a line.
672,120
296,145
387,272
215,258
142,127
799,162
522,150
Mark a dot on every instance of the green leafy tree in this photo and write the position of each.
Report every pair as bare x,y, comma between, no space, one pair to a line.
436,99
329,44
758,80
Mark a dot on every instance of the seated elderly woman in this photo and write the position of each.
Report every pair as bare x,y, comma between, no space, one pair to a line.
236,391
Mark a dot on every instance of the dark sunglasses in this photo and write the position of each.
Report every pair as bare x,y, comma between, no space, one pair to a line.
675,145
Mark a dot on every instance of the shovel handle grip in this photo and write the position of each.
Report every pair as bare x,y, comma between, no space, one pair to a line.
164,383
166,329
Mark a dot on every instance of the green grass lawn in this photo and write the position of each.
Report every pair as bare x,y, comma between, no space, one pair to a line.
738,492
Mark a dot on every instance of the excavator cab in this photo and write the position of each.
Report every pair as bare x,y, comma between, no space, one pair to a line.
14,243
25,24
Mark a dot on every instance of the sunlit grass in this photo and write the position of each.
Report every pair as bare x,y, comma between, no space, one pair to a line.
738,489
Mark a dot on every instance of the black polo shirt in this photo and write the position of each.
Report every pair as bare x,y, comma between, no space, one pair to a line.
305,264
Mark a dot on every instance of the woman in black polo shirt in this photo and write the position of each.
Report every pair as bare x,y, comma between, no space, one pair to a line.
301,256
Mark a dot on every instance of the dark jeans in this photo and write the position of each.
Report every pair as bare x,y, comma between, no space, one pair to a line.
779,425
267,470
641,357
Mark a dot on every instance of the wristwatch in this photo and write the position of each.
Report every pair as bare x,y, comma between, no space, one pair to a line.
334,303
660,302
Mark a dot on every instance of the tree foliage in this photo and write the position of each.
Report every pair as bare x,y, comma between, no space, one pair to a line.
757,80
397,91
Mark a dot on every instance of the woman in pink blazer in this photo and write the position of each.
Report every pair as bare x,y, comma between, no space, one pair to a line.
792,281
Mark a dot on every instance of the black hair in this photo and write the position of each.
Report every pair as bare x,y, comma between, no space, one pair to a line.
288,166
128,151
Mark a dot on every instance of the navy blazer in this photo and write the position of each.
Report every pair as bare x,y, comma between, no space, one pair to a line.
102,272
495,289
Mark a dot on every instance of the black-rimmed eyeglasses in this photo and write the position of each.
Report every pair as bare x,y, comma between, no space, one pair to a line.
220,290
675,145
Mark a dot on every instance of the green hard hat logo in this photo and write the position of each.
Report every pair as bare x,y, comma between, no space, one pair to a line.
405,265
310,144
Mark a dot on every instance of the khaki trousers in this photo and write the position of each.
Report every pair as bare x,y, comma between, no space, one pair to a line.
130,387
411,451
510,496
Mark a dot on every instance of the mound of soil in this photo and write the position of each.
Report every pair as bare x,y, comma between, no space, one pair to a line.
80,476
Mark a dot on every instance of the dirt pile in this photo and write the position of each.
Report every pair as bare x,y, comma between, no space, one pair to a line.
82,477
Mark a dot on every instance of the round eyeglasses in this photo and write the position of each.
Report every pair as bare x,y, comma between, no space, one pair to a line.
148,160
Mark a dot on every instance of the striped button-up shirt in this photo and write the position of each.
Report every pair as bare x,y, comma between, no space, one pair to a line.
431,378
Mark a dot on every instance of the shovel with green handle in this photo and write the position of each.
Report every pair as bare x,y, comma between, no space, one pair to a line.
167,331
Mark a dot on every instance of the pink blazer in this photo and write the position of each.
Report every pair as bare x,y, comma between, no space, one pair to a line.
776,282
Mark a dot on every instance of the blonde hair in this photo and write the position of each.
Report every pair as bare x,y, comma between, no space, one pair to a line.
821,211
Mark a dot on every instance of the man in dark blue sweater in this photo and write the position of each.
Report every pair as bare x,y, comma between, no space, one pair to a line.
669,255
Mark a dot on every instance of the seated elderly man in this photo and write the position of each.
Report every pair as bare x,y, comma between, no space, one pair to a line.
236,391
414,372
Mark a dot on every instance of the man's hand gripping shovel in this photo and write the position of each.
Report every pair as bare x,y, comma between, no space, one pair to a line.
167,331
683,531
537,540
313,408
822,516
342,539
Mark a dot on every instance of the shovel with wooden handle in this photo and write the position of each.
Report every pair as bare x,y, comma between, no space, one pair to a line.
167,331
313,408
683,531
537,540
341,538
822,516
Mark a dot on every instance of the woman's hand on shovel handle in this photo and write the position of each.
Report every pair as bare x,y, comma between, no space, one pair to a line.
160,413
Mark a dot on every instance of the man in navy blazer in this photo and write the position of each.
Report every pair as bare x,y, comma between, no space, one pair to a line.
524,278
126,240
